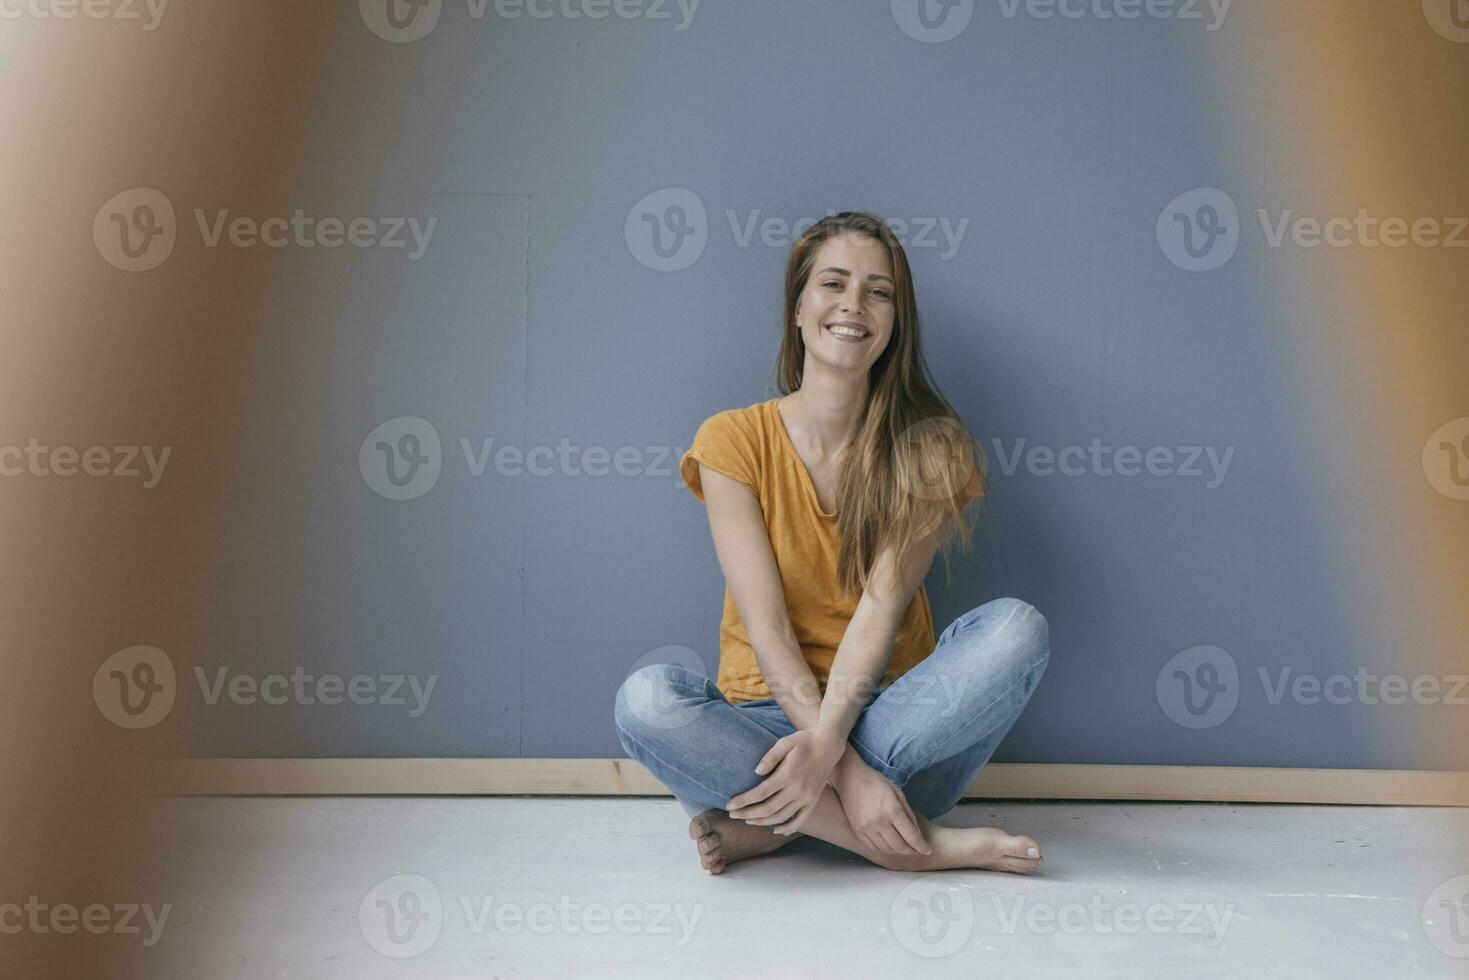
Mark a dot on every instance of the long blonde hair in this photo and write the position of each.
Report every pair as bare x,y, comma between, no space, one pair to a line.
911,458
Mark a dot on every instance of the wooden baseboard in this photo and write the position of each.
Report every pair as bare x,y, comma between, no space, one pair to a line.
624,777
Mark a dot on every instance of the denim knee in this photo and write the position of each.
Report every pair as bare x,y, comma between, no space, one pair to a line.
1023,639
1033,644
1031,618
652,698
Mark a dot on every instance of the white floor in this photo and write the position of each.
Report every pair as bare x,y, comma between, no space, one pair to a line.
549,887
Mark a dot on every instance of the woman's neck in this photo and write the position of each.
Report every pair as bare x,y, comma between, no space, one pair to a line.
827,415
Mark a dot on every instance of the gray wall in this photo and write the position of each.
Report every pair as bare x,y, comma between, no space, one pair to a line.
534,316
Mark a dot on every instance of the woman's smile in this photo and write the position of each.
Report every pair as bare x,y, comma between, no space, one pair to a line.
849,331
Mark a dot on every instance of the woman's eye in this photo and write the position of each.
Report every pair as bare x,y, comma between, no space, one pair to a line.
881,292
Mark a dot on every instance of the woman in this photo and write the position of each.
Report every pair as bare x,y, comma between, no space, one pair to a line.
827,506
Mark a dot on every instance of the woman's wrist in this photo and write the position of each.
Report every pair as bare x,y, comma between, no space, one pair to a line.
836,748
849,764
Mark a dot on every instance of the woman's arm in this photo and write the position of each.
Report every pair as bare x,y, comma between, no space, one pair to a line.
867,645
743,546
802,763
877,810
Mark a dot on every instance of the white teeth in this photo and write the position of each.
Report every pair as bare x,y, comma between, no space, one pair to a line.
847,331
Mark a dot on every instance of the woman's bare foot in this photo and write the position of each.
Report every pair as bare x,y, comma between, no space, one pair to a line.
988,848
723,840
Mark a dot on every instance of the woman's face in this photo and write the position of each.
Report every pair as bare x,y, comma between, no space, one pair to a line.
851,284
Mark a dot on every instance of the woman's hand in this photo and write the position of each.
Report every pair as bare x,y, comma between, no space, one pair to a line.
879,812
801,761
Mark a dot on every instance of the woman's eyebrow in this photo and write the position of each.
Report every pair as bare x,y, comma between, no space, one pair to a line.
845,272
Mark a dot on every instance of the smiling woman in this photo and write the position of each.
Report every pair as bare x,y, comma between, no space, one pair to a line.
827,507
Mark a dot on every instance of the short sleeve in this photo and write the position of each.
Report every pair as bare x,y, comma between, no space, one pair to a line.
722,444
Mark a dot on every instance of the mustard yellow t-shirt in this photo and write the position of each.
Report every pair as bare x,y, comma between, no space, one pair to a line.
751,445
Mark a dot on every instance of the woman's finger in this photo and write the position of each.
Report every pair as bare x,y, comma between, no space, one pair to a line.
760,811
773,756
892,841
778,816
752,796
911,832
794,823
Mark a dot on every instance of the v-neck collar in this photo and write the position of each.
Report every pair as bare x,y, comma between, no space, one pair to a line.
800,463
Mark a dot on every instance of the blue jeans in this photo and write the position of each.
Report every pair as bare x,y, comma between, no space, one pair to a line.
930,732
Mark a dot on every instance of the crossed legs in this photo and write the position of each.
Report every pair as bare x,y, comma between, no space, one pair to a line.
930,733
